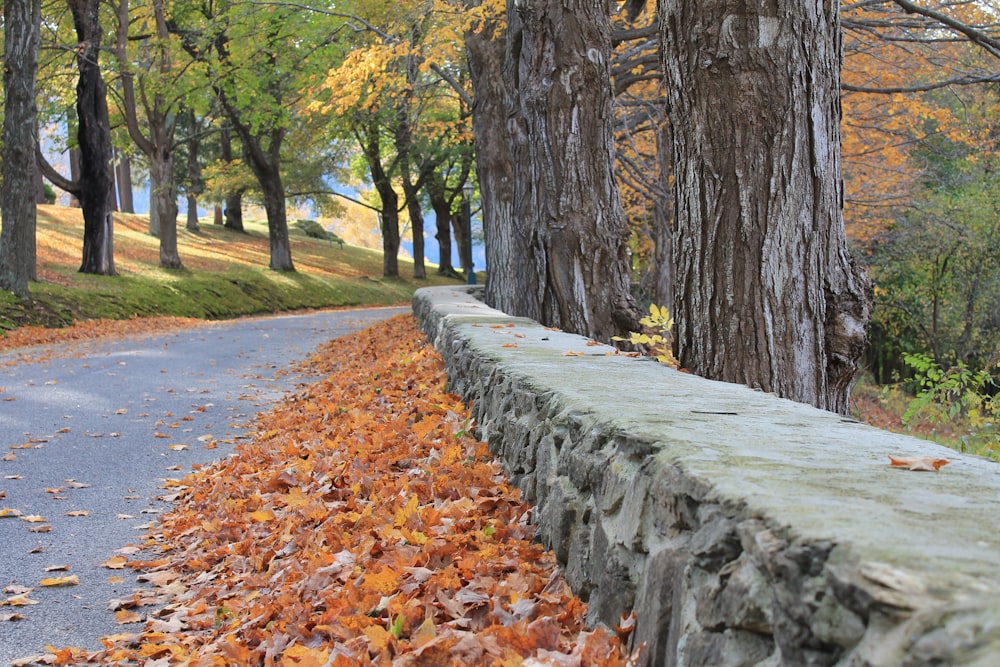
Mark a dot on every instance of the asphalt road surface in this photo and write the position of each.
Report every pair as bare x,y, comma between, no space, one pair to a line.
88,437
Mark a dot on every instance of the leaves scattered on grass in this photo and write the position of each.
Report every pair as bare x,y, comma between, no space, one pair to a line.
87,330
362,526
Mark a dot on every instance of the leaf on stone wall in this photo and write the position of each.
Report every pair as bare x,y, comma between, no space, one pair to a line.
920,463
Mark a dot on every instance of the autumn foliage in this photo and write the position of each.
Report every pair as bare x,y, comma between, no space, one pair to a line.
363,525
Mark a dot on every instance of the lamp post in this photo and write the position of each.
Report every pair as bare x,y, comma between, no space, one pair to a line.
467,191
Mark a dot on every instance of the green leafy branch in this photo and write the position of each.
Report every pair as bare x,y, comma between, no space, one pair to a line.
658,337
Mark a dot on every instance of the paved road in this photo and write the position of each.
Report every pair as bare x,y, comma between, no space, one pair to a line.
114,416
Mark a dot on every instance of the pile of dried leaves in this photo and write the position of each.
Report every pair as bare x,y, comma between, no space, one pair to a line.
361,526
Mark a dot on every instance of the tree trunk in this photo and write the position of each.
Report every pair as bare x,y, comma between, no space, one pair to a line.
161,122
163,199
417,227
40,195
234,211
94,138
458,228
234,200
368,135
766,293
265,164
389,224
442,214
506,235
192,213
277,221
123,170
195,185
17,191
564,188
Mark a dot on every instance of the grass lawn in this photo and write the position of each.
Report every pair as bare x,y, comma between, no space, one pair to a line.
225,275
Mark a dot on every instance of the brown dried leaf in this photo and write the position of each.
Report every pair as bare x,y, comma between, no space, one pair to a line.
920,463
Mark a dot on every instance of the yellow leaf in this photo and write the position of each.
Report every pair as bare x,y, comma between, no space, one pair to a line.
8,512
71,580
21,600
262,515
378,638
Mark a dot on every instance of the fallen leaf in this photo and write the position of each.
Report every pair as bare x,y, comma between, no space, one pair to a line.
71,580
9,456
9,512
33,518
78,513
21,600
73,484
178,448
44,528
126,616
262,515
115,562
37,659
57,568
11,617
921,463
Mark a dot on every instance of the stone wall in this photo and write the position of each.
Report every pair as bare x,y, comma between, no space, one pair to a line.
741,529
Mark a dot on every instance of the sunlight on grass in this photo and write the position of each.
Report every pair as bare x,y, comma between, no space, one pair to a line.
225,274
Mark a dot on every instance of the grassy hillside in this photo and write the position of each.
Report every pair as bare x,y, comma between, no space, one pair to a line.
225,275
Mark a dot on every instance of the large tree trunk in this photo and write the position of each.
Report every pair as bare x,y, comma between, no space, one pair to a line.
506,235
94,138
17,196
766,292
564,186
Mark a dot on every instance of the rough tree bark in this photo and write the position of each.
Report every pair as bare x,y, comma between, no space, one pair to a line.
567,210
505,235
95,185
766,292
17,196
